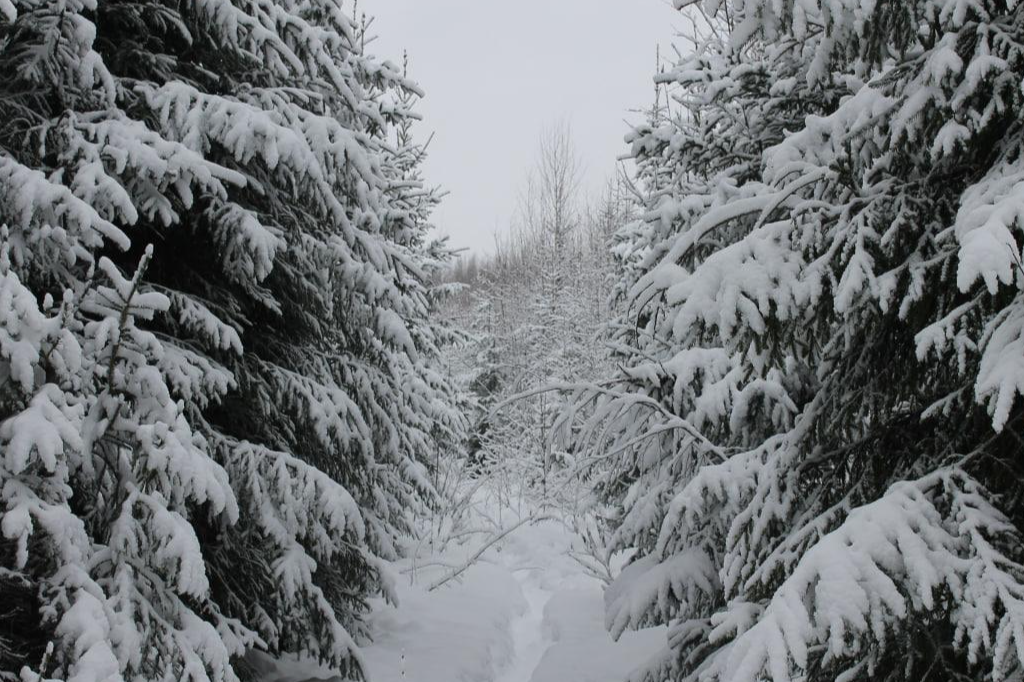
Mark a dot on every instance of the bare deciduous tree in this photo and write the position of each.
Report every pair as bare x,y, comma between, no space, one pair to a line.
550,205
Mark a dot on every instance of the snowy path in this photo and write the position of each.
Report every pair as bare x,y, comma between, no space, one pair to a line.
526,612
529,642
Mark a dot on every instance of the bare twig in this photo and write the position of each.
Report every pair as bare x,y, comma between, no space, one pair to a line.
483,548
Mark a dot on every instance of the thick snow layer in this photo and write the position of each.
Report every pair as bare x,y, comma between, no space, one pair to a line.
459,634
529,613
525,612
581,649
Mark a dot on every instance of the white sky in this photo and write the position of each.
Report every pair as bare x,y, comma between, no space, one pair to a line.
497,73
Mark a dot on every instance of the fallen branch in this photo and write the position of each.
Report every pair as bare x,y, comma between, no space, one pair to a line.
429,564
487,545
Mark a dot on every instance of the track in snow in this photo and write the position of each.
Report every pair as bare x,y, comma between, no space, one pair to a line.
529,636
525,613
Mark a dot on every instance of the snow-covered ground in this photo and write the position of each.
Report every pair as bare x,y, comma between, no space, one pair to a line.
527,612
524,612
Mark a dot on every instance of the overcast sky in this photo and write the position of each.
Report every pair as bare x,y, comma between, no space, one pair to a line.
497,73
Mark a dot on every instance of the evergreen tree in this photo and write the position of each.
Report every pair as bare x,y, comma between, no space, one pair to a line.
210,442
816,430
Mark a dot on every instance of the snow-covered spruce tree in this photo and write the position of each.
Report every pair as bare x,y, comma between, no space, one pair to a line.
208,442
817,432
